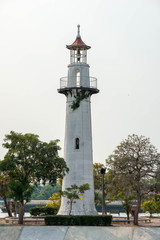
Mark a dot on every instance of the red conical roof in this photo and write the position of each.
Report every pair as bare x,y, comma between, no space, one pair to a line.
78,43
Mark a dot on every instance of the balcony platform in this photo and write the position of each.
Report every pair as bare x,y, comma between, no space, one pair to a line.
67,90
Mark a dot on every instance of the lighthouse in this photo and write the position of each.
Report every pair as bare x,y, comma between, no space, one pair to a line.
78,87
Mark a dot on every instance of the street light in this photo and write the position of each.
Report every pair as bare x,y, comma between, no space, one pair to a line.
103,171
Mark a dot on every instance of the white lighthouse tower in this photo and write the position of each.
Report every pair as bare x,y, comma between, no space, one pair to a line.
78,87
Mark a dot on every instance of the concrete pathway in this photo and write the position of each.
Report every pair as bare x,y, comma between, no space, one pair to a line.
78,233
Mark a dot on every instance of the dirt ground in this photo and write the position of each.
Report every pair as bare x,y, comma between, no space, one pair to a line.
155,222
31,223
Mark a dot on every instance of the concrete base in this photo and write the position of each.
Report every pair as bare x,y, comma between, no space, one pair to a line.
78,233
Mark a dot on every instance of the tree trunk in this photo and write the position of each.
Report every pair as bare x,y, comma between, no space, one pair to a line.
127,207
7,207
21,212
137,208
105,209
70,207
127,211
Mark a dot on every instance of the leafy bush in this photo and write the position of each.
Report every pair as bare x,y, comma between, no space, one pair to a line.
55,201
152,205
148,206
79,220
43,211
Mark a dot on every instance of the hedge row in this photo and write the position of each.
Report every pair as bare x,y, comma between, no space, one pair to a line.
79,220
43,211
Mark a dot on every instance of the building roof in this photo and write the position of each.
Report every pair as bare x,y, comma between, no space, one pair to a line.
78,43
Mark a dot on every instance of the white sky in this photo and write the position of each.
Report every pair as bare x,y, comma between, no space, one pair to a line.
125,57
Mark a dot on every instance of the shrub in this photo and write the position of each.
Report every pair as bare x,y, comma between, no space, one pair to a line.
152,205
55,201
79,220
148,206
43,211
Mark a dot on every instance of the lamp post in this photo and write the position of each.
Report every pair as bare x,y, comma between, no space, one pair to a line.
103,170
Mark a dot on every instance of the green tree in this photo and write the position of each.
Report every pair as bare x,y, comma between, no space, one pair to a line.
36,192
74,193
123,191
44,192
136,159
108,184
114,189
154,184
30,161
97,176
98,184
149,206
152,205
4,190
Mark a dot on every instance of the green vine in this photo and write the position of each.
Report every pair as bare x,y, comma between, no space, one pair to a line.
78,98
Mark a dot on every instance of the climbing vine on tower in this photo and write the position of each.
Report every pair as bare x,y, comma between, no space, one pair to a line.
78,98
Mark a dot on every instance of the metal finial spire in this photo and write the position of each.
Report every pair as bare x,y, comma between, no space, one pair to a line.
78,34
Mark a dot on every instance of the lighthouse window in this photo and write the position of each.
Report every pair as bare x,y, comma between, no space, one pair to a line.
77,143
78,55
77,78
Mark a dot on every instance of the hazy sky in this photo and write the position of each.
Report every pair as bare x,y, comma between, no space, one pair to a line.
125,58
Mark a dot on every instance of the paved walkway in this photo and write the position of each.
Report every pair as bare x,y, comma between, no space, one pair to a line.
78,233
119,231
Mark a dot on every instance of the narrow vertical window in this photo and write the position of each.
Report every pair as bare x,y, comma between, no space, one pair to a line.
77,78
77,143
78,55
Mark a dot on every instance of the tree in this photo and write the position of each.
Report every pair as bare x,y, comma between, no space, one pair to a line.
97,176
123,191
98,184
154,184
30,161
108,184
44,192
115,188
136,159
74,193
149,206
4,191
152,205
